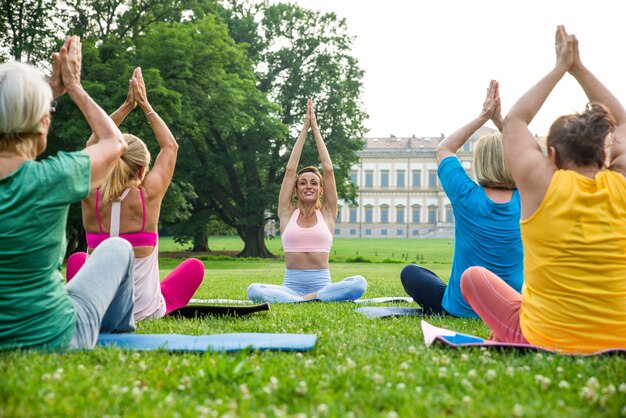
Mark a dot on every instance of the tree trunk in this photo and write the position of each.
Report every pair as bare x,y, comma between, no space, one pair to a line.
254,242
201,241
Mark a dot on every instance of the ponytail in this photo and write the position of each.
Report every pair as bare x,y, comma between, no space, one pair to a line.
126,171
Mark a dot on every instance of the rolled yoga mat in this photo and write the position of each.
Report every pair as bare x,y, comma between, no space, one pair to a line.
201,311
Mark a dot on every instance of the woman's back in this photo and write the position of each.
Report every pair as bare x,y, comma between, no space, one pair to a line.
575,247
486,234
138,214
34,202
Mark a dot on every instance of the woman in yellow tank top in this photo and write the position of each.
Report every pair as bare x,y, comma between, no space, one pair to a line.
573,229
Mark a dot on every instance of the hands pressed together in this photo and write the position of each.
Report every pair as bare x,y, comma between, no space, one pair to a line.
492,106
566,48
310,122
137,92
66,67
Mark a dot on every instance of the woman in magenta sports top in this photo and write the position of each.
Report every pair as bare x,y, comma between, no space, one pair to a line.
128,205
306,230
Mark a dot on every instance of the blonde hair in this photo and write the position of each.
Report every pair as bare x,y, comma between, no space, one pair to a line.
316,171
490,169
126,171
25,98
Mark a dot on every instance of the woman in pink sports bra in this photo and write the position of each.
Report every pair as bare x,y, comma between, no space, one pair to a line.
306,230
128,205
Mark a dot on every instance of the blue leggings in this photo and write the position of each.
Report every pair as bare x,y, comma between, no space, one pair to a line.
298,283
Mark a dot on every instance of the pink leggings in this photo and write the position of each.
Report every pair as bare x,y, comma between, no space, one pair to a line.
496,303
177,288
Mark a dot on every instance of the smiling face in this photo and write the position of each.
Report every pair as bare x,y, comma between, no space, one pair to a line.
308,188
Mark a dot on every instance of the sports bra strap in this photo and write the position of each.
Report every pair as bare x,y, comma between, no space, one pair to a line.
115,214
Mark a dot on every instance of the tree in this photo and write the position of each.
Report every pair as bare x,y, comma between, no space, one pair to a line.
29,29
225,130
297,54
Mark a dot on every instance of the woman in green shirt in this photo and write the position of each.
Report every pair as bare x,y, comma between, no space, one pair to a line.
36,309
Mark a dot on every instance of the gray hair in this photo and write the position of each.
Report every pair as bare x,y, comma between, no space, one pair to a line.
25,98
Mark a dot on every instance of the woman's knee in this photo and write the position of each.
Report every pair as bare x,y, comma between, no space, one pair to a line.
357,282
408,273
469,278
116,247
195,268
254,291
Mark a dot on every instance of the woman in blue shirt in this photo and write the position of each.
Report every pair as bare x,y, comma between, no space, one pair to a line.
486,212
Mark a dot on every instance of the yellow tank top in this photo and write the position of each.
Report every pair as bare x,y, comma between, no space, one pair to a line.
574,294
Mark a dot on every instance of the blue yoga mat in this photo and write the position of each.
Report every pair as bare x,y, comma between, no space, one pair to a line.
216,342
387,311
441,336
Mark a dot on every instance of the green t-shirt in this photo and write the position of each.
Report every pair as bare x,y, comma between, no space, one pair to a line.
35,309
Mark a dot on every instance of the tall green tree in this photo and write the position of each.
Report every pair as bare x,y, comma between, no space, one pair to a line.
299,53
29,29
226,126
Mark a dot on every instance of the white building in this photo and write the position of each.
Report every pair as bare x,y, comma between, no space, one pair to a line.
399,191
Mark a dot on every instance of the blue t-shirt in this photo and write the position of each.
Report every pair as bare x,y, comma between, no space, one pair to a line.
35,309
486,234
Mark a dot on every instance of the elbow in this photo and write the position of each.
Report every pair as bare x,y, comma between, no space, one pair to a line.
441,151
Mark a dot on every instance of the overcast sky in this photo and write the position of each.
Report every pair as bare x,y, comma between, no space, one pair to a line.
428,63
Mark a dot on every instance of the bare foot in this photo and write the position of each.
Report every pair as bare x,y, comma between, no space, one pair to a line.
310,296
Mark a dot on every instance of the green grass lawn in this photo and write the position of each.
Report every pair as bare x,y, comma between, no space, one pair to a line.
359,367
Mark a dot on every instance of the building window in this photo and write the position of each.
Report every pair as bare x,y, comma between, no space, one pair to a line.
399,214
337,231
400,178
449,214
417,178
466,147
368,232
399,232
416,214
352,214
353,232
384,178
416,232
369,214
432,214
432,179
354,176
384,214
339,211
369,178
383,232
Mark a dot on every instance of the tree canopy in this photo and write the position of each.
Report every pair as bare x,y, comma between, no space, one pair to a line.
230,79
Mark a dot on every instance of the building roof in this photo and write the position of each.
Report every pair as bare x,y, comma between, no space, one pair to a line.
413,142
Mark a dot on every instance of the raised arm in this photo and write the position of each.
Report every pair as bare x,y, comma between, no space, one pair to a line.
120,114
285,203
330,187
111,145
455,141
597,92
159,178
531,170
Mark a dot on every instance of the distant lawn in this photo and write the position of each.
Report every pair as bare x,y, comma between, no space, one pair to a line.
374,249
359,367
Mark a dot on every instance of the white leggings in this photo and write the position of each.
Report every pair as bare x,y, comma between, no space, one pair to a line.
298,283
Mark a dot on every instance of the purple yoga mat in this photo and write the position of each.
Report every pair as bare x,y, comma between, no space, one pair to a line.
440,336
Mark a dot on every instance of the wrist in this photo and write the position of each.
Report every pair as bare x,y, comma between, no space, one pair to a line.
73,89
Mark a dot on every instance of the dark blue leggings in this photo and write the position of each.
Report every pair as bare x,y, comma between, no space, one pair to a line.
425,288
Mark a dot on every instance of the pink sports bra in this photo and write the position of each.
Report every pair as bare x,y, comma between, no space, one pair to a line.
136,239
316,239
